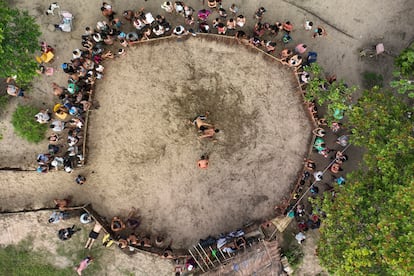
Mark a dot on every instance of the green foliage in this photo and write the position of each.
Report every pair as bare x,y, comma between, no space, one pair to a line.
336,95
4,100
404,82
19,36
294,254
21,260
368,229
371,79
26,126
403,86
75,252
405,62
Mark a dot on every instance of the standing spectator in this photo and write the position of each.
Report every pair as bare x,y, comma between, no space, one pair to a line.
319,32
234,9
203,162
300,48
308,25
80,179
259,13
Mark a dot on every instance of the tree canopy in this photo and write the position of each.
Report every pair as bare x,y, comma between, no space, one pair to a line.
404,73
368,229
335,95
19,35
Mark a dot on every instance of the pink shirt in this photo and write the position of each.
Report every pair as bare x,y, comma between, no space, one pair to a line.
300,49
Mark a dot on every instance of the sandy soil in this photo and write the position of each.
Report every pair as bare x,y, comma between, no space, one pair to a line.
142,150
140,128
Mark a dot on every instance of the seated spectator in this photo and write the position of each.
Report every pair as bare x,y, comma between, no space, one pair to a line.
223,13
255,41
179,31
179,7
132,239
240,242
145,242
231,24
57,217
66,233
57,126
42,169
43,158
294,61
167,6
188,11
335,168
203,14
57,163
216,22
122,243
168,253
117,224
287,27
300,48
12,89
340,157
62,204
240,35
57,90
221,29
270,46
314,190
162,22
259,29
319,32
318,175
304,77
286,38
339,180
189,20
343,140
320,132
240,21
300,237
212,4
133,220
53,149
310,164
285,53
204,27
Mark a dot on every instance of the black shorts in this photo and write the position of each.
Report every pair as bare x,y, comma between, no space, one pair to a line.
93,235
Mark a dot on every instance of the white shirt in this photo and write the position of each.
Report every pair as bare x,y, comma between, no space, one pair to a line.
42,117
180,31
58,125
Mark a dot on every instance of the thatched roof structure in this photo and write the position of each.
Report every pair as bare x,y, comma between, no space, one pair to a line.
260,259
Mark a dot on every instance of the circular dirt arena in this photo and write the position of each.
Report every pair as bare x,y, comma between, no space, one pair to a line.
143,153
